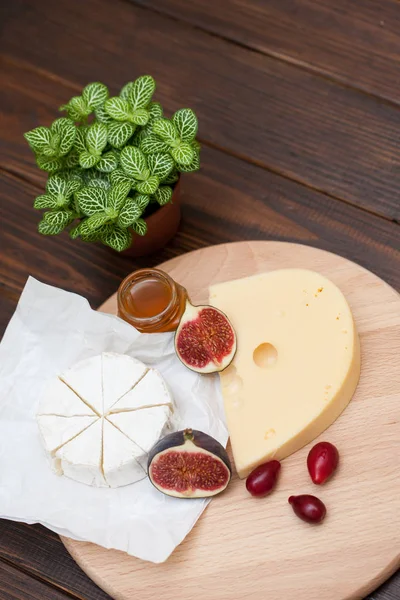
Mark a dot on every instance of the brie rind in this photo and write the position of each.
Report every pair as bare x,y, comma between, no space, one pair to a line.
59,399
81,458
150,391
56,431
84,379
119,374
145,426
121,457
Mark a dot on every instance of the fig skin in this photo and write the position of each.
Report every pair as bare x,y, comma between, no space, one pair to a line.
204,442
192,314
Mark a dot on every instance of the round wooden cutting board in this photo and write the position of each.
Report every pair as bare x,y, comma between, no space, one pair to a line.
250,548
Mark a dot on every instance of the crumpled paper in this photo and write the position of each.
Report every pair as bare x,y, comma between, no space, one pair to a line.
50,330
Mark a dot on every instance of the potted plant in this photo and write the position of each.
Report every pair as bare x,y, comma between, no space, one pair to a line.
114,165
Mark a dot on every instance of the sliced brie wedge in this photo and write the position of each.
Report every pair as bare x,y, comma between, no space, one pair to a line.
145,426
150,391
119,374
56,431
84,379
121,457
59,399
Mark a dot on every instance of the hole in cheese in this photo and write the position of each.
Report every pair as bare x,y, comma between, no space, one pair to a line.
265,355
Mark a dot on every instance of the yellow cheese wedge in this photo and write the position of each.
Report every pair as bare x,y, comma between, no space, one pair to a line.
297,362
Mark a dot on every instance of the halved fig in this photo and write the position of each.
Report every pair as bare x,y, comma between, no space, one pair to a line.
205,340
189,464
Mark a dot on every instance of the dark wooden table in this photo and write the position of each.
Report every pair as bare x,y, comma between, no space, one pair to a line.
299,109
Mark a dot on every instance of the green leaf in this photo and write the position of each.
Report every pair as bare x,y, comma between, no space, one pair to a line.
126,90
133,162
167,131
92,223
119,133
108,162
160,164
141,92
152,144
171,178
194,165
142,200
186,123
66,129
196,146
95,94
97,179
96,138
39,139
130,212
58,217
183,154
92,200
140,116
46,228
87,160
75,231
77,109
71,160
95,235
163,195
45,201
56,186
80,138
51,165
117,195
140,227
73,186
118,109
118,176
102,116
149,186
118,238
155,111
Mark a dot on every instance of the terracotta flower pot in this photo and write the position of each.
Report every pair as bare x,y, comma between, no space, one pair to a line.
161,227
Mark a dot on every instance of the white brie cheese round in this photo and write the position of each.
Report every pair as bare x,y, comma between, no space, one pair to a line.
99,419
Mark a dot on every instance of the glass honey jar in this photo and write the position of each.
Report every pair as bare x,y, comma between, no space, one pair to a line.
151,301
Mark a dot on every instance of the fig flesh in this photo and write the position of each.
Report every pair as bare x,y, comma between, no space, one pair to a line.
205,340
189,464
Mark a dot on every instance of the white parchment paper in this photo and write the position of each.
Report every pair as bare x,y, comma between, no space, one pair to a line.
50,330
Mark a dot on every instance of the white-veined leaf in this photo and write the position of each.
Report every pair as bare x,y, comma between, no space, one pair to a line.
152,144
97,179
119,133
163,195
140,227
129,213
133,162
87,160
46,228
141,92
108,162
58,217
142,200
92,223
66,129
140,116
118,109
117,238
77,109
51,165
119,176
183,154
80,138
171,178
117,195
167,131
75,231
149,186
194,165
125,91
102,116
73,186
186,123
56,186
96,138
50,151
196,146
45,201
95,94
39,139
92,200
155,111
160,164
71,160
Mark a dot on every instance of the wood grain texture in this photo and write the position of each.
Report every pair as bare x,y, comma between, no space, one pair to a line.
16,585
273,114
38,552
356,43
241,547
